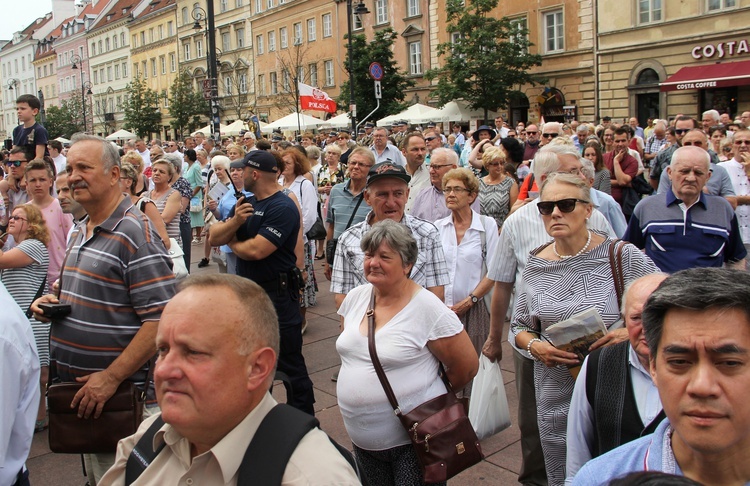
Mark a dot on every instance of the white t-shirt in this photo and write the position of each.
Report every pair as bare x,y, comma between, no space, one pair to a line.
411,368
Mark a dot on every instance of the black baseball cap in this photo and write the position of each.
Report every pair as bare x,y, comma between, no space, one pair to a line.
387,169
257,159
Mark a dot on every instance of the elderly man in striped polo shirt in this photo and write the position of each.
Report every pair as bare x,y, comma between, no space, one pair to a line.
117,278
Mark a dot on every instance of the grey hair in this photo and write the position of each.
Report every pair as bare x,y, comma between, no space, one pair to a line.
252,135
333,149
220,161
110,155
175,158
547,159
260,326
712,113
685,151
130,144
396,236
556,125
383,129
571,180
450,155
697,289
588,168
313,152
635,283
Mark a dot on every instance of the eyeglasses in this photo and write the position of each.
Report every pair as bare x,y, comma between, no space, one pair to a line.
727,149
682,131
531,133
549,135
736,142
493,163
439,166
354,163
17,218
455,190
510,135
697,143
15,163
564,205
429,139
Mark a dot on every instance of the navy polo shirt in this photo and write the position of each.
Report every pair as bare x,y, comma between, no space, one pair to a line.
676,238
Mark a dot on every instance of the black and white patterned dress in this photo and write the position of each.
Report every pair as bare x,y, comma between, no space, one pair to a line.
494,199
551,291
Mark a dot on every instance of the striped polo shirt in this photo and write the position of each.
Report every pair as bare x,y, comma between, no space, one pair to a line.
114,281
677,237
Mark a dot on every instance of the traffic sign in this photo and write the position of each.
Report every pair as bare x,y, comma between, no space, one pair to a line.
376,71
378,92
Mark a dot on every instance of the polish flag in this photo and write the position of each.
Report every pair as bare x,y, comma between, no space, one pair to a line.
315,99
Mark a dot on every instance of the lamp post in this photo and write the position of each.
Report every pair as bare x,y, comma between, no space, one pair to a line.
13,86
361,9
85,88
200,15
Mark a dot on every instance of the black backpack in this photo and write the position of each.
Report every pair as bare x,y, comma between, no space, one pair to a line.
266,457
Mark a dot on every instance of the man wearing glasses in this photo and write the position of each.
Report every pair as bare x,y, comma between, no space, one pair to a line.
739,172
171,147
13,188
529,187
429,204
682,125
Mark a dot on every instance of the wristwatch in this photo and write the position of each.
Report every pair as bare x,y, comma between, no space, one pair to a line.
474,298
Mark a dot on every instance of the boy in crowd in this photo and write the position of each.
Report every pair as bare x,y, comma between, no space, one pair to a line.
30,135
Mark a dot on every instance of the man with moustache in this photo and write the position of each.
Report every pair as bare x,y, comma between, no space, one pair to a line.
67,203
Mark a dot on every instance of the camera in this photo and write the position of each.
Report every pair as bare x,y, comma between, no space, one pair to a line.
54,311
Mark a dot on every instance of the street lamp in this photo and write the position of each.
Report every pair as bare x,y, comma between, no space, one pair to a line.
199,15
13,86
360,10
85,88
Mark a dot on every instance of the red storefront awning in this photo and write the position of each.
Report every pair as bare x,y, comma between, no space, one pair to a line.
709,76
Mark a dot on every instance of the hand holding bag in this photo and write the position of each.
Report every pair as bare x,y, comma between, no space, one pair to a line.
178,260
488,407
440,431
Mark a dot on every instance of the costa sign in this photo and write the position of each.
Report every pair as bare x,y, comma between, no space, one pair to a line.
720,50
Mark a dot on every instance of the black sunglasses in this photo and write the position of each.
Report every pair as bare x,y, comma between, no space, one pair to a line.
15,163
550,135
429,139
680,131
564,205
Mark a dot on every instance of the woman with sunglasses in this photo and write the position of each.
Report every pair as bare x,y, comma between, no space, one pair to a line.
562,278
23,271
497,191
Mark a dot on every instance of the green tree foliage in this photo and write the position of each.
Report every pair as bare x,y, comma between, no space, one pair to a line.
394,83
66,119
489,60
186,105
141,108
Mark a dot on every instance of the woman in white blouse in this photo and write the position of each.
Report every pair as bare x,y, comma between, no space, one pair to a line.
468,239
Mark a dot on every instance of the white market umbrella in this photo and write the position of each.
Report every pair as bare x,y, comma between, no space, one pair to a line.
340,121
289,122
207,130
456,111
412,114
62,140
234,128
122,135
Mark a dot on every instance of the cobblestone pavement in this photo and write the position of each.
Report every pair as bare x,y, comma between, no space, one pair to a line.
502,451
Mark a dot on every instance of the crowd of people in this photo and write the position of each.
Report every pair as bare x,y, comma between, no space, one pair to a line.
442,241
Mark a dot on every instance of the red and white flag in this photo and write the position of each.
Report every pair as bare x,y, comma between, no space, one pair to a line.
315,99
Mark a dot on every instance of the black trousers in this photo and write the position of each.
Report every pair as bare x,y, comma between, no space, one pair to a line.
186,233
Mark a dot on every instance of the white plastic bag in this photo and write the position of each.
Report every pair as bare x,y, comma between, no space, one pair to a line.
488,407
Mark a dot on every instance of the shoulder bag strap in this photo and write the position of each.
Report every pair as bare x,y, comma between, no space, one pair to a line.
351,218
143,454
374,356
29,314
615,264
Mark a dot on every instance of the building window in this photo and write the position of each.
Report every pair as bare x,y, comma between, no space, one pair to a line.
124,70
186,48
163,62
96,77
143,40
554,31
313,70
356,21
185,18
223,6
283,38
170,29
520,26
199,48
328,66
151,34
109,73
144,67
270,4
297,33
274,84
238,3
381,12
240,33
327,25
243,83
311,34
117,71
259,43
649,11
226,43
261,85
160,29
286,82
721,4
415,58
272,41
106,44
93,51
412,8
153,67
228,85
122,39
114,42
172,63
258,6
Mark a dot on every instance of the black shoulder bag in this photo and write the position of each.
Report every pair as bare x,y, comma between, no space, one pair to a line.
331,244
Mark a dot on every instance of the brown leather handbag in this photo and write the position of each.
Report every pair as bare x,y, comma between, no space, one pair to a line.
68,434
440,431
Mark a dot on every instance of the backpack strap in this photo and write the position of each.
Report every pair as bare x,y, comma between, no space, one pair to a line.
143,454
